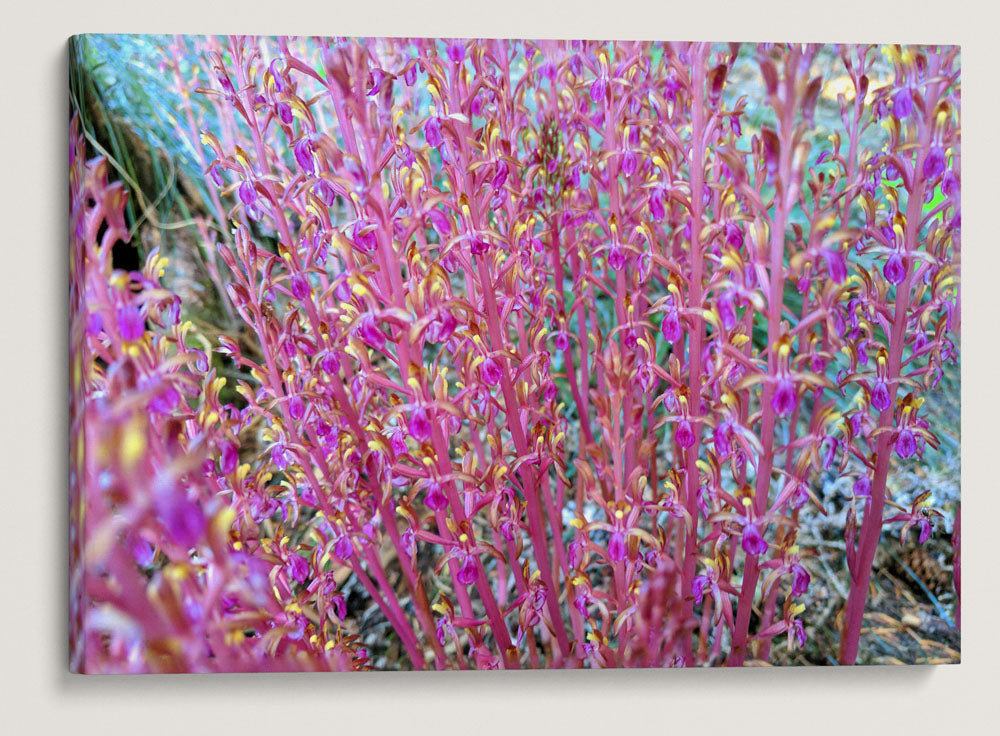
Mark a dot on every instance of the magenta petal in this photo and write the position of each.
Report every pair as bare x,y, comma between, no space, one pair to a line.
435,500
300,287
685,434
491,372
131,325
894,270
371,333
934,163
720,435
182,518
925,531
753,543
656,208
297,568
142,551
726,306
836,264
304,156
420,424
698,586
734,237
456,51
616,547
599,89
432,132
248,193
279,457
784,400
906,444
629,162
800,580
343,548
230,458
671,326
616,258
902,103
880,396
468,573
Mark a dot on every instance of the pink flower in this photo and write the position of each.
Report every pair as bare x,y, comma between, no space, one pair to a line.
902,103
950,184
324,192
671,326
753,543
599,89
720,436
297,568
434,499
934,163
616,547
248,193
800,580
629,162
410,75
442,328
784,400
182,518
370,332
279,456
131,325
727,309
305,157
330,363
734,236
836,264
685,434
894,270
230,458
432,132
698,586
500,177
420,424
300,287
924,525
616,257
343,548
142,551
906,443
490,372
284,111
880,395
656,208
456,51
468,573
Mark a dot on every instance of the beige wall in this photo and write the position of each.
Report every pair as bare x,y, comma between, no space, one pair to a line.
38,696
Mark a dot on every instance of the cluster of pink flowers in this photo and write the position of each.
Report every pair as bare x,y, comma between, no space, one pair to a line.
551,343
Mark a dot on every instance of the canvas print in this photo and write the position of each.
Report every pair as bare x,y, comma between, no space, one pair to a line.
445,354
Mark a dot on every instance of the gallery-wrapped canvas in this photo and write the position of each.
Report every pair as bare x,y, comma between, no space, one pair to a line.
415,354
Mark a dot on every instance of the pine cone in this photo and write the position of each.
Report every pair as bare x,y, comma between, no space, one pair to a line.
926,567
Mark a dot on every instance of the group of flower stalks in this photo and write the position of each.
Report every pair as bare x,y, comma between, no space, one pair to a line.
551,347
